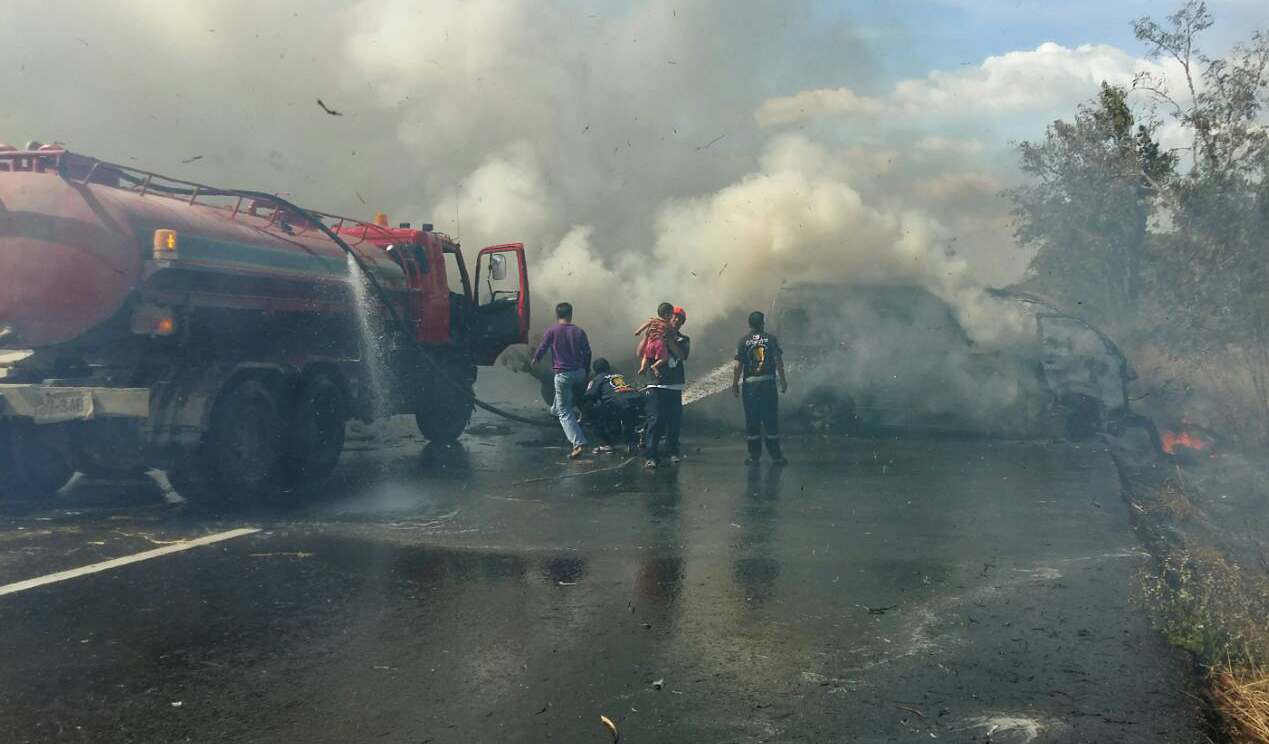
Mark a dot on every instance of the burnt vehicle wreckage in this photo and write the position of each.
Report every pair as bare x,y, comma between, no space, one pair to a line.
223,336
878,356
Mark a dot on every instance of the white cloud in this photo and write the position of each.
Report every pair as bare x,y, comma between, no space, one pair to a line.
1050,77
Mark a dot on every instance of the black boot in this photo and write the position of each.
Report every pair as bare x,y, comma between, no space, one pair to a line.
773,447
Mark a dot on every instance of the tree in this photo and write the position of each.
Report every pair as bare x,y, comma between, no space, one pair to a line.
1087,211
1210,282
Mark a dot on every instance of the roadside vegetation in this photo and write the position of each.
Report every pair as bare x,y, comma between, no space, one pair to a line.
1148,213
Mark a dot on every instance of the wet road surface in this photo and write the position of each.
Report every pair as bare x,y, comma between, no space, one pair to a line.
873,590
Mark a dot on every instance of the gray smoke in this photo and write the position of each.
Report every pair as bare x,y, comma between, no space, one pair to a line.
620,142
903,350
643,152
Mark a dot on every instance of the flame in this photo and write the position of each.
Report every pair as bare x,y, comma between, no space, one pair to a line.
1171,439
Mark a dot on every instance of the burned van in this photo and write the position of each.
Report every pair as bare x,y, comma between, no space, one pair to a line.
873,357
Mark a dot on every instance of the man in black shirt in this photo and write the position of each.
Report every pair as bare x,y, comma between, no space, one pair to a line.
665,396
611,404
759,363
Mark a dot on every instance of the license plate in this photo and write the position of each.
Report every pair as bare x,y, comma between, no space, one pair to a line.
69,405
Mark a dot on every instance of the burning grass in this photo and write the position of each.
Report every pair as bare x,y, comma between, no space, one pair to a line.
1182,438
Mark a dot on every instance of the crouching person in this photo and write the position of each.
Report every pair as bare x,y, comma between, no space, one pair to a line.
612,406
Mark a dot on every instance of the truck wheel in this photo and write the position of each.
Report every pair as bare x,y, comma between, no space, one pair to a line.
443,413
33,465
238,457
316,437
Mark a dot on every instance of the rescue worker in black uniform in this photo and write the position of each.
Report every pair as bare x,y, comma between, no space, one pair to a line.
664,402
759,364
611,405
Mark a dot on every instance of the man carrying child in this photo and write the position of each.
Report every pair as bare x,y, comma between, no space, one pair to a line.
663,350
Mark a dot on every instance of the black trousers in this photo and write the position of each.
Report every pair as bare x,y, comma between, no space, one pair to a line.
664,418
613,421
762,414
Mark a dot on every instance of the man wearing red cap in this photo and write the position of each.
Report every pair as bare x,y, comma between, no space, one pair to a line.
665,401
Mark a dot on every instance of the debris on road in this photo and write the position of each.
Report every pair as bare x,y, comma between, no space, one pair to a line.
879,610
328,110
612,728
658,683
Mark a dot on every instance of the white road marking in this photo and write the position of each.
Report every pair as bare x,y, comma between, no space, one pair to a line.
117,562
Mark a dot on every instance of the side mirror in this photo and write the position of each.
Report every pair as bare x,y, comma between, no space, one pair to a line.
497,267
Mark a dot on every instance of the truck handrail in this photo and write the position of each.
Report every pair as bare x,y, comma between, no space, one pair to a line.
144,183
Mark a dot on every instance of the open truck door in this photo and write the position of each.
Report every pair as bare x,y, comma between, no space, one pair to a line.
502,301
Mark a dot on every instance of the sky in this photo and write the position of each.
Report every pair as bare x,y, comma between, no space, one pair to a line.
698,152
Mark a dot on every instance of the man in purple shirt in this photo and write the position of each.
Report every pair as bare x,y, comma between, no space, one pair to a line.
570,355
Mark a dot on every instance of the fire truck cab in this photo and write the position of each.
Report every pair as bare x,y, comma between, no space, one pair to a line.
444,305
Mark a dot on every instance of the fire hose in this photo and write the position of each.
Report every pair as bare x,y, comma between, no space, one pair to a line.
378,290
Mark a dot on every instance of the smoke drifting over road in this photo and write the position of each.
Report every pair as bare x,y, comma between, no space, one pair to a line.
633,147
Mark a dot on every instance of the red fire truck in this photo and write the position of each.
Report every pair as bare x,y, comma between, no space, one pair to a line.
225,337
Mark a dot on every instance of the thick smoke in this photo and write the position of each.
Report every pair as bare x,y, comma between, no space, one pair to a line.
644,151
624,148
897,349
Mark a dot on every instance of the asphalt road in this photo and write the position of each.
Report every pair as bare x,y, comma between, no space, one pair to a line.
873,590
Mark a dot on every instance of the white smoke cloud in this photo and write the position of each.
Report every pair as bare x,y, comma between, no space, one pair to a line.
957,185
809,103
796,217
504,197
947,145
629,146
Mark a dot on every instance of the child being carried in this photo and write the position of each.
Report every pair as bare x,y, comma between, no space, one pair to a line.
652,352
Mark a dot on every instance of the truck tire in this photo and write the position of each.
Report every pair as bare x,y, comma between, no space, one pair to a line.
443,412
33,465
239,455
315,439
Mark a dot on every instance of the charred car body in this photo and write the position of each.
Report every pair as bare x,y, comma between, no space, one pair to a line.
877,356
